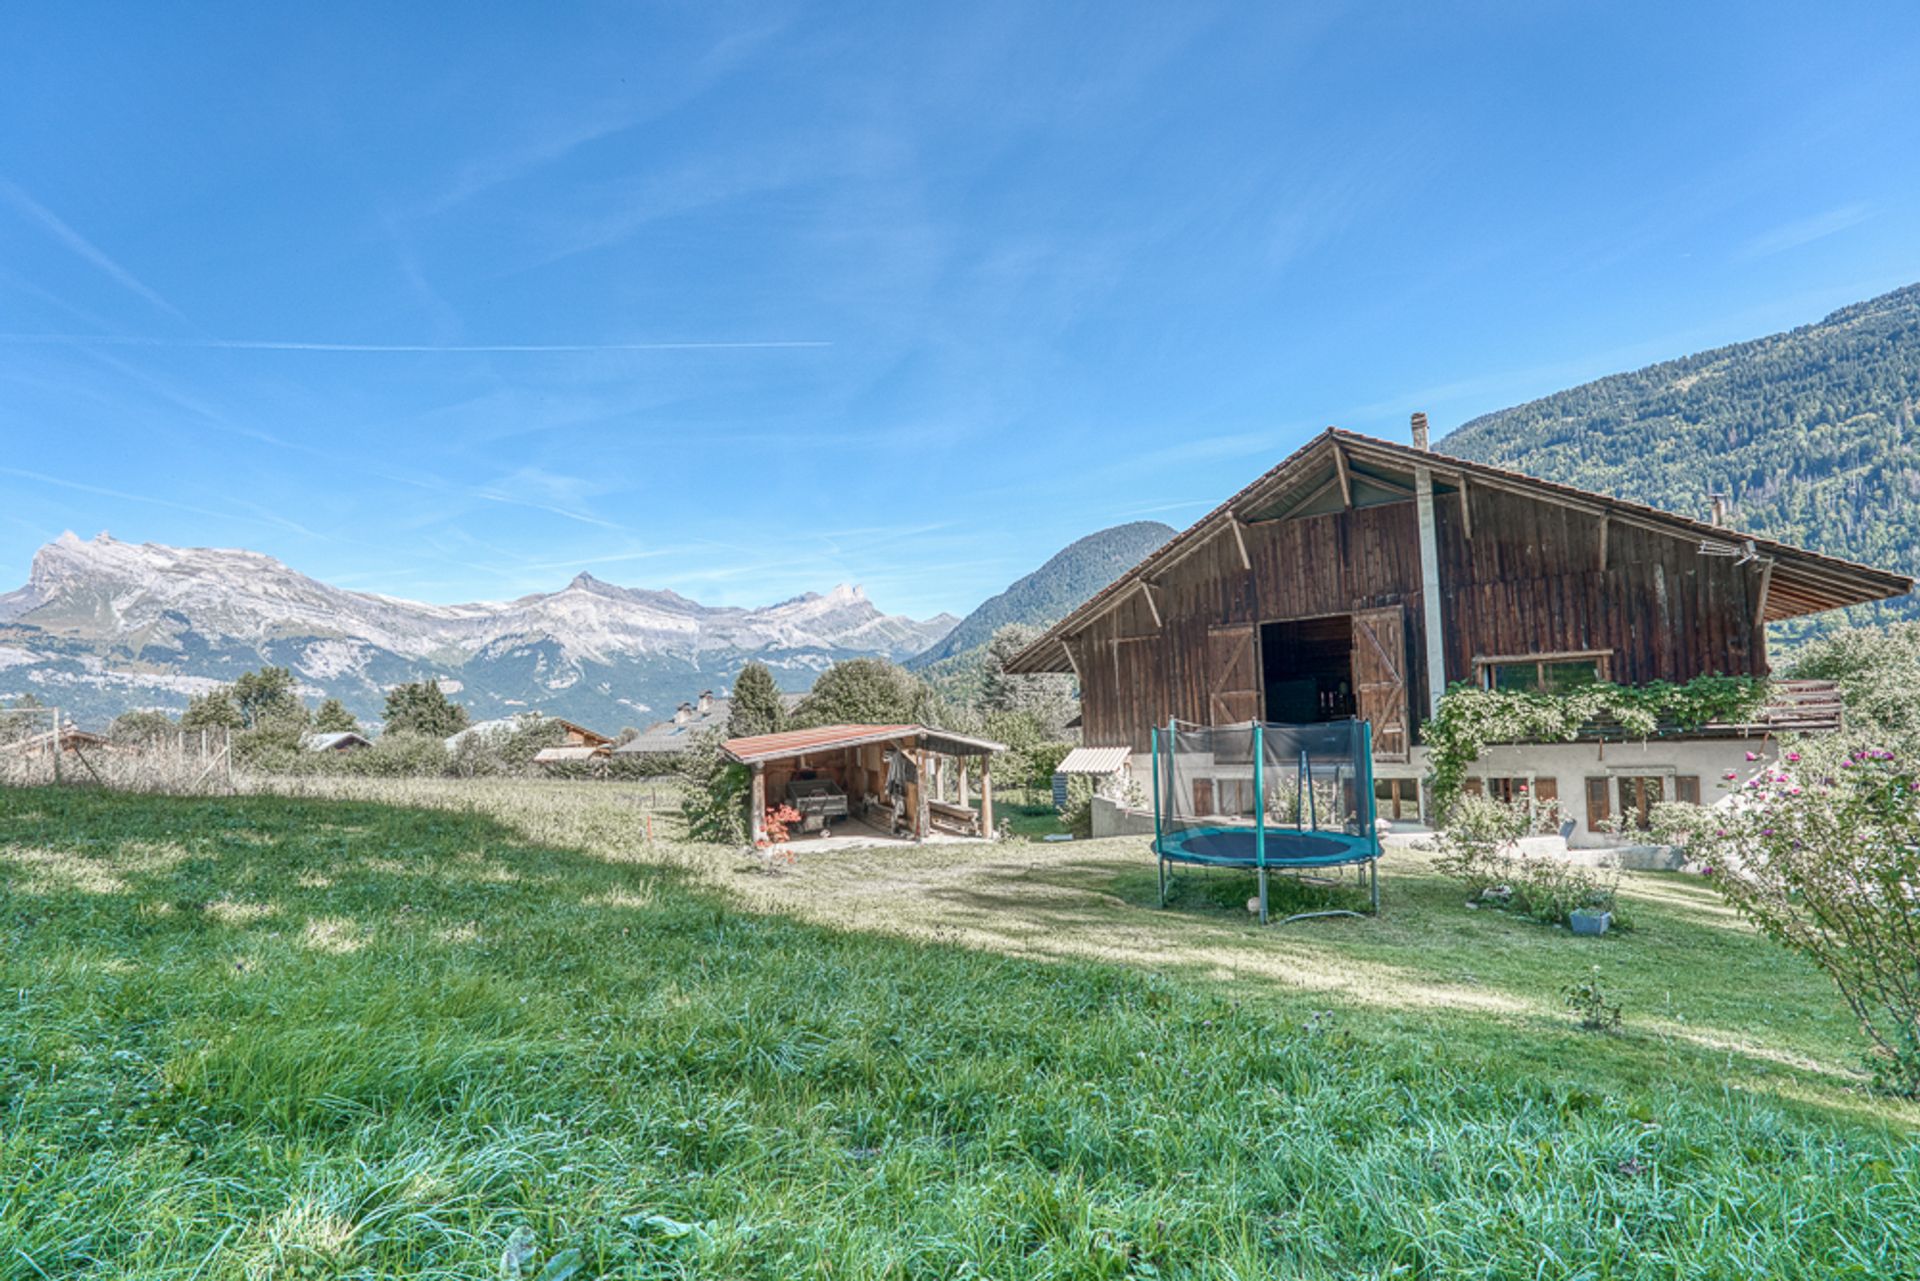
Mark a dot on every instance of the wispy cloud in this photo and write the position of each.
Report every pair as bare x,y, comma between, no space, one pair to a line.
1804,231
102,491
54,226
270,344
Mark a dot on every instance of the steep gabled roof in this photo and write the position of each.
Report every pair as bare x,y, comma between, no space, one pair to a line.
1801,581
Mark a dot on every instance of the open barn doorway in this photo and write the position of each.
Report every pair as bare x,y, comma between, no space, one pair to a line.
1308,668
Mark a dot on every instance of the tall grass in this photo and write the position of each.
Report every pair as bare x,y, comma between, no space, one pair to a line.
266,1036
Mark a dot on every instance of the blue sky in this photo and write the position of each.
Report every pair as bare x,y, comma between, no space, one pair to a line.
452,302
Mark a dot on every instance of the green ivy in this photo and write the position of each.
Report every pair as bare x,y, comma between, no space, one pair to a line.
1471,719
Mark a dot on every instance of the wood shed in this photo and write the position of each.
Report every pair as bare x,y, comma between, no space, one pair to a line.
890,782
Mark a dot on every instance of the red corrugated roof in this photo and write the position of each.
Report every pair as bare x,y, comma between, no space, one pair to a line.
763,747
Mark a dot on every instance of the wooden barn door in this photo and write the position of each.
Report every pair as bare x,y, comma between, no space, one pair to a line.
1380,679
1233,674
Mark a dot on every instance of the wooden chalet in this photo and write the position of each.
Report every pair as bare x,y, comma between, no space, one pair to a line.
1360,577
883,781
580,744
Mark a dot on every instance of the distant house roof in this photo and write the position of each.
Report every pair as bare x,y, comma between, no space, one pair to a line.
1094,760
334,742
670,737
582,734
574,752
72,738
800,742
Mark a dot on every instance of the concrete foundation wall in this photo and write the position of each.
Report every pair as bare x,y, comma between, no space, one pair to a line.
1570,765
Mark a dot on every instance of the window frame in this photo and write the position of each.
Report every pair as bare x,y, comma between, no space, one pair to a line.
1486,666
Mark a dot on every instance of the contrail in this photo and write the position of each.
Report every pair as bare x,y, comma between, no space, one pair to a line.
269,344
79,244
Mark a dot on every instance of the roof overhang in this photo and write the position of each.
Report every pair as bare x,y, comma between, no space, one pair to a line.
788,744
1338,469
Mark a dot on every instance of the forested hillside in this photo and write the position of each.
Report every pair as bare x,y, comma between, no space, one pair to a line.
1054,590
1810,433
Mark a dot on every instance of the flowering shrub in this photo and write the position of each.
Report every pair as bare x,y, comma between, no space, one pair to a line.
1479,847
1471,719
1822,853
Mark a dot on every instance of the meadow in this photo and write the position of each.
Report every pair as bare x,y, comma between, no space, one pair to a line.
496,1029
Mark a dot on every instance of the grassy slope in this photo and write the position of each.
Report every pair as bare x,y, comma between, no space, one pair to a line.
266,1036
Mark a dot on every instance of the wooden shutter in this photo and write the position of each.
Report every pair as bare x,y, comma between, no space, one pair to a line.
1546,789
1599,810
1203,796
1686,787
1233,674
1379,679
1472,787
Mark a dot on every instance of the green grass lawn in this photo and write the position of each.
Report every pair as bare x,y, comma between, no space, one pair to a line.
1028,812
264,1036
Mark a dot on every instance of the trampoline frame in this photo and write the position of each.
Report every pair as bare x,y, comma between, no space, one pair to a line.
1365,850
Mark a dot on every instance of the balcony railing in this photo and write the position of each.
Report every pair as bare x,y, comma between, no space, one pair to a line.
1792,707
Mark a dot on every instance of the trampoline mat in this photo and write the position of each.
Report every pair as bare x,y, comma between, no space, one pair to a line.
1239,847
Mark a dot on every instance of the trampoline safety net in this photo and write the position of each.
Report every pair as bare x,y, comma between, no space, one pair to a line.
1266,796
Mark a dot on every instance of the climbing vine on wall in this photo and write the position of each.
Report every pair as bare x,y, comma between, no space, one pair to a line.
1472,719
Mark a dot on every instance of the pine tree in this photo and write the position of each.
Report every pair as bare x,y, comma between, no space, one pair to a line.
267,696
334,718
212,710
756,703
420,708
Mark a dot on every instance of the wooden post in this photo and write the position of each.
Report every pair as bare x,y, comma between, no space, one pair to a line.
757,803
964,800
1430,589
986,797
922,818
56,746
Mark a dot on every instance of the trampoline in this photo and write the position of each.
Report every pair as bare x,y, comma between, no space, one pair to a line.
1267,798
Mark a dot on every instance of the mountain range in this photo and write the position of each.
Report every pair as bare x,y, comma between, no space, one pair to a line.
103,625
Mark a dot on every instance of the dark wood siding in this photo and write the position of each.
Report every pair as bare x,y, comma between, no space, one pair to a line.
1529,580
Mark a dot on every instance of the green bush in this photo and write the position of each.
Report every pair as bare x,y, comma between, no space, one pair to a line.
1479,848
714,792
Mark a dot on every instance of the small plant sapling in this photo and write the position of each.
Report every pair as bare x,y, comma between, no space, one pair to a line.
1595,1005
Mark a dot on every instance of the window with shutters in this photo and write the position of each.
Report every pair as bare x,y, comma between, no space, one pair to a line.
1638,794
1397,798
1538,795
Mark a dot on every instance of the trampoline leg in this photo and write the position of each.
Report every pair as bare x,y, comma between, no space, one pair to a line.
1263,896
1373,876
1163,881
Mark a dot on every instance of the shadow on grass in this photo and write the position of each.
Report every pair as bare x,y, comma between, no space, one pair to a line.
442,917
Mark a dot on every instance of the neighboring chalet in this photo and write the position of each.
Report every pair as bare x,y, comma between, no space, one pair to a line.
580,745
70,738
1361,577
671,737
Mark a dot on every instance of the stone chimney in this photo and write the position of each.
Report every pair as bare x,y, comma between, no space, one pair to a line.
683,713
706,701
1420,431
1717,506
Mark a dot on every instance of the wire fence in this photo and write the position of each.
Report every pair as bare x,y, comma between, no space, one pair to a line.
41,747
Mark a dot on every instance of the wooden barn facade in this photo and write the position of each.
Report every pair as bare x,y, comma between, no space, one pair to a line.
1360,577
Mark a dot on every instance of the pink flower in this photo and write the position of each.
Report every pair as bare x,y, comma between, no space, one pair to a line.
1753,756
1729,775
1793,756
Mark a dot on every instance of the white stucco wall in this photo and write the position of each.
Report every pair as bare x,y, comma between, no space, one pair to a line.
1571,764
